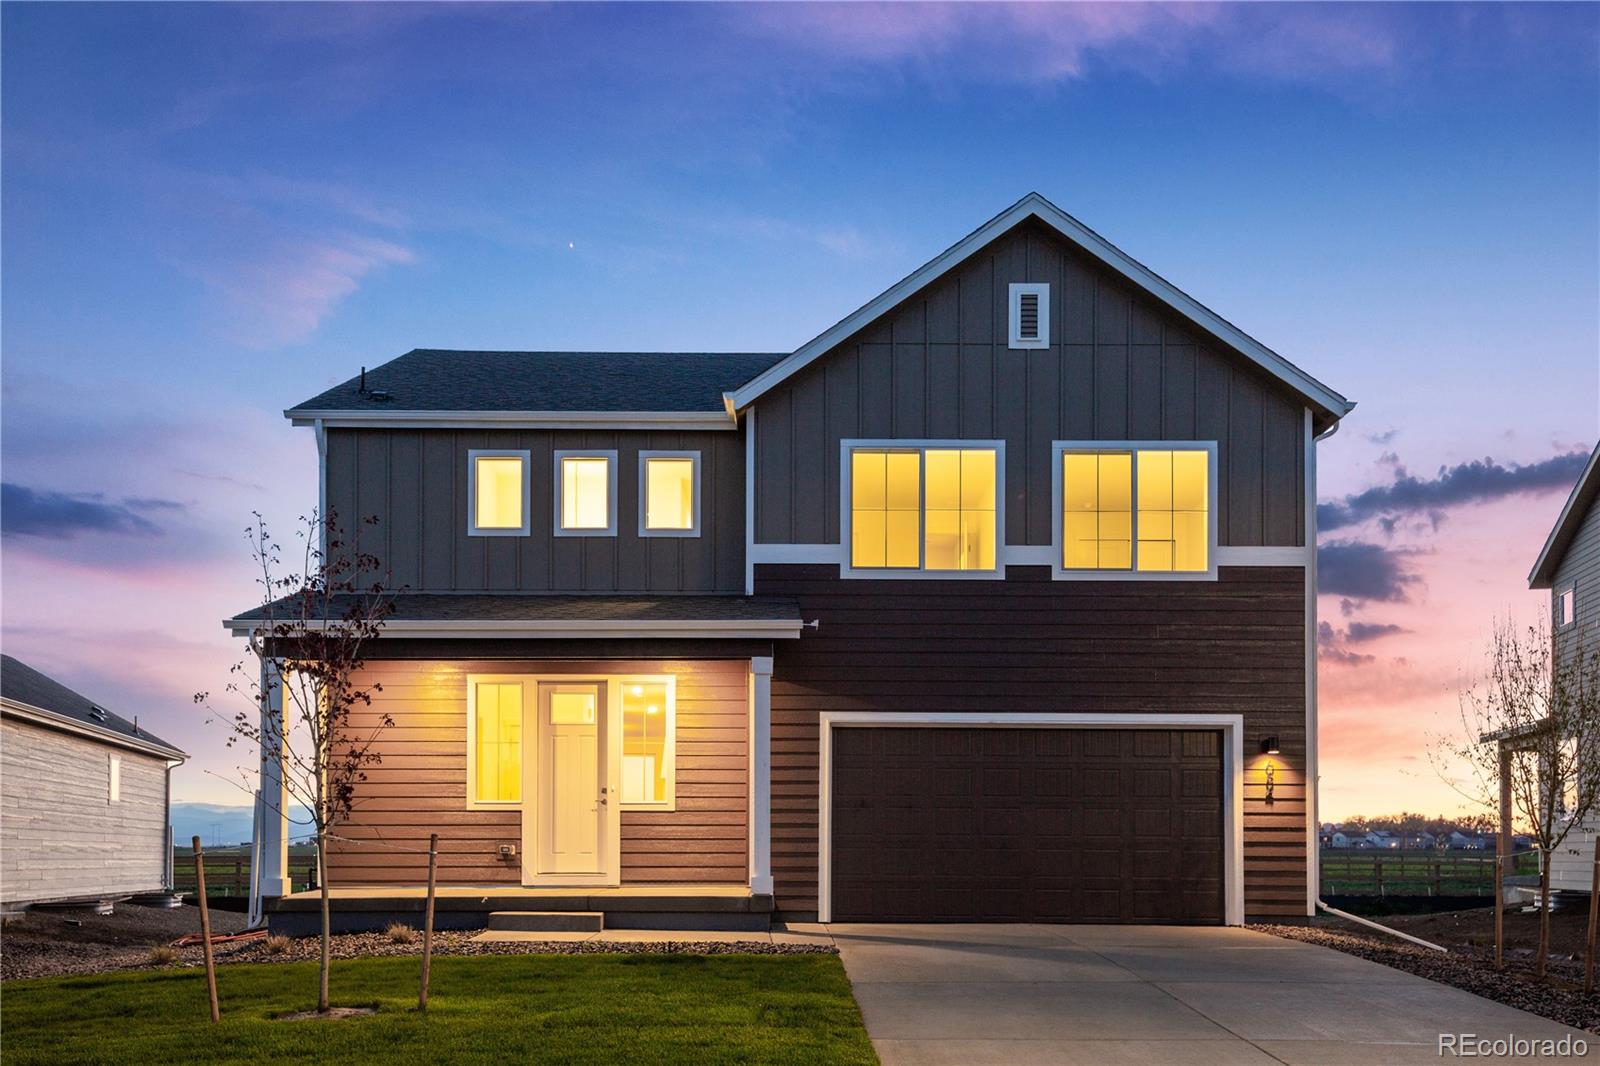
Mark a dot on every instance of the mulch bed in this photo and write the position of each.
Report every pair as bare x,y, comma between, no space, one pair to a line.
31,951
1560,997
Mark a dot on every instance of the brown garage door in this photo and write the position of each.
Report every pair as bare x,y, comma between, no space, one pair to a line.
1026,825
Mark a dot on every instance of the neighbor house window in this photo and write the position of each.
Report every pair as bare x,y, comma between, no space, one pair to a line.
1566,607
494,740
114,779
586,494
921,507
648,714
1141,509
498,493
669,494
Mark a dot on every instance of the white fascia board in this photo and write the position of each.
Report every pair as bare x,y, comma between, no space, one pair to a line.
661,420
1037,206
1544,568
586,629
39,716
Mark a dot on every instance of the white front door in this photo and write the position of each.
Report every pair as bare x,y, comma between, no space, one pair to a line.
569,818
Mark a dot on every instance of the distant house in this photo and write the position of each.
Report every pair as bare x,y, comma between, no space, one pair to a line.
1341,838
83,796
1422,841
1459,841
1569,567
1383,839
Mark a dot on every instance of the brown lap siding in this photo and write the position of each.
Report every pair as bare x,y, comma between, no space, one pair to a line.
420,787
1233,646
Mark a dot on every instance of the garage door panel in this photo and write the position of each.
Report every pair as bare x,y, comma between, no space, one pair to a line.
1073,825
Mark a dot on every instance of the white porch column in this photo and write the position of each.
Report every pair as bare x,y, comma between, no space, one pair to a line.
274,844
760,788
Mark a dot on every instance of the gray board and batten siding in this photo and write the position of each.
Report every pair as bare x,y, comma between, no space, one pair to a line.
414,481
1120,366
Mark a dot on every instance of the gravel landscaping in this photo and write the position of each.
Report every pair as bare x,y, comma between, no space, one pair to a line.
48,945
1560,998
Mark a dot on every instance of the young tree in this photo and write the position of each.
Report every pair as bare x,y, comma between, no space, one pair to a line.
301,681
1530,727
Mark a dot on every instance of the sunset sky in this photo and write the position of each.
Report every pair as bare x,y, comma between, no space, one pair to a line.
214,212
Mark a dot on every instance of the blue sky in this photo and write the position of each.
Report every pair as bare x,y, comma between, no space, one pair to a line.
213,212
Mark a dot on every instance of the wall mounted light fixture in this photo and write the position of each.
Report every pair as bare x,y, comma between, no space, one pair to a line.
1269,746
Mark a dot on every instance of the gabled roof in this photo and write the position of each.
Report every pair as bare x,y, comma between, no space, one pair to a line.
1566,527
1327,405
461,386
25,689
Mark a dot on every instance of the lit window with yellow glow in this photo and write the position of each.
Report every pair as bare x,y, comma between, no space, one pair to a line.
1174,526
669,484
926,509
647,729
499,493
1138,509
586,493
495,722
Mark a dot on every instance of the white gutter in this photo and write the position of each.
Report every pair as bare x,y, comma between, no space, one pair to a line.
67,724
404,419
556,629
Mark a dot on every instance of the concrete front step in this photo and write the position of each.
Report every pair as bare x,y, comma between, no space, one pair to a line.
547,921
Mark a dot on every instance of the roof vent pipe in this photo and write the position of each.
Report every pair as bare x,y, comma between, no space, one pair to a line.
363,388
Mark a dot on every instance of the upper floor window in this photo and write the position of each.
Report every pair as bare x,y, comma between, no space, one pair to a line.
1135,508
669,494
1030,315
924,507
1566,607
586,494
498,490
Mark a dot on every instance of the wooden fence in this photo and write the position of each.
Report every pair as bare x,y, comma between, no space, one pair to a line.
1383,872
229,875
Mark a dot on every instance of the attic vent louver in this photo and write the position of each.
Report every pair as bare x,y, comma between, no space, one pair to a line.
1030,315
97,714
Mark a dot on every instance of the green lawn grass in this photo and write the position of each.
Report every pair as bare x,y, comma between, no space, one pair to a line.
508,1009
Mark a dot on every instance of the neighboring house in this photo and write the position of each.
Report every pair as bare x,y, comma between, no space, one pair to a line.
84,796
1569,566
1352,839
1459,841
1420,841
1383,839
993,602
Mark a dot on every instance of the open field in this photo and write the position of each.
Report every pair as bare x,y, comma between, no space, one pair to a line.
545,1009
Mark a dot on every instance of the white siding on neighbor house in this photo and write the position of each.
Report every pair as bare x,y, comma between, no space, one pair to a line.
1571,867
60,836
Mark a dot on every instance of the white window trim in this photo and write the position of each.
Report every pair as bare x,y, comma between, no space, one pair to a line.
1061,447
530,689
644,495
1018,290
113,779
473,455
889,573
1233,767
473,681
611,491
1560,591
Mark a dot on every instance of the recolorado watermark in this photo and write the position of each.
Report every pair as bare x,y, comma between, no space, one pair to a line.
1473,1046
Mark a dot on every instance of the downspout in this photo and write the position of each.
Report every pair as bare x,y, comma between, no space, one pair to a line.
1321,906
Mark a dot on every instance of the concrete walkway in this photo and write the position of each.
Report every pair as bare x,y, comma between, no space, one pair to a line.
1107,995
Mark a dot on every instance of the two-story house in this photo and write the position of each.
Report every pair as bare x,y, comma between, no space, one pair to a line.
993,602
1569,566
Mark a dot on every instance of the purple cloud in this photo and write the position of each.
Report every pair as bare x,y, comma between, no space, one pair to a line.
63,516
1479,481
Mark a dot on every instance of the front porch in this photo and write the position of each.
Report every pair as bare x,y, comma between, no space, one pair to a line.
368,908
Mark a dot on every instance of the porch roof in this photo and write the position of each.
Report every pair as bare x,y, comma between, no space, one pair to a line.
451,614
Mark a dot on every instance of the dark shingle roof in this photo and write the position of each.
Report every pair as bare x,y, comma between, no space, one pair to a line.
433,379
21,683
518,607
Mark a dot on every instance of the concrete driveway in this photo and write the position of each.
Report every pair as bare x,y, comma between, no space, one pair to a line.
965,995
